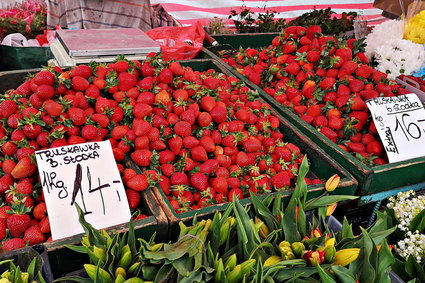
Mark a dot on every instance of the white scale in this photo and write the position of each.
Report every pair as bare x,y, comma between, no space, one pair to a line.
81,46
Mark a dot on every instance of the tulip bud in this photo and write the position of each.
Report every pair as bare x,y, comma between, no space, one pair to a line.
284,244
314,257
316,233
332,183
272,260
346,256
298,248
264,230
330,242
331,208
329,253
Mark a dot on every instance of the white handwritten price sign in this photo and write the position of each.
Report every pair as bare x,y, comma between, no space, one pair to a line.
400,122
85,174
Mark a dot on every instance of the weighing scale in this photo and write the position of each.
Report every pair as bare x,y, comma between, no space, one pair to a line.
81,46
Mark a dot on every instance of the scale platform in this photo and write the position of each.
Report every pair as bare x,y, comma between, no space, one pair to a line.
74,47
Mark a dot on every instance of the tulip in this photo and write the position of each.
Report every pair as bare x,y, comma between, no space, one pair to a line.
316,233
298,248
332,183
272,260
331,208
314,257
346,256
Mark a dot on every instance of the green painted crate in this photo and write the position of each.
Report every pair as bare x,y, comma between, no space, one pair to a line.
371,179
322,165
18,58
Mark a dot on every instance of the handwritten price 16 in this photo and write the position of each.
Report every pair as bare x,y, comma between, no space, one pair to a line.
411,129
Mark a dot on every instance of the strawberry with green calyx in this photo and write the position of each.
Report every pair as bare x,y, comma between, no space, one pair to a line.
19,220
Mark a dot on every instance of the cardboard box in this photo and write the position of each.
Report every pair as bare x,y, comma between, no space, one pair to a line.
392,6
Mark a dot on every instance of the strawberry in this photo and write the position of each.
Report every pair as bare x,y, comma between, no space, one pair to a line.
313,56
356,85
24,168
83,71
18,222
175,143
375,147
80,83
77,116
183,128
344,53
207,143
138,182
2,229
356,147
142,157
176,68
44,78
7,108
40,211
347,68
220,185
179,178
198,153
165,76
24,89
312,31
199,181
126,81
44,225
133,198
218,114
53,108
141,127
252,144
24,188
13,244
33,236
45,92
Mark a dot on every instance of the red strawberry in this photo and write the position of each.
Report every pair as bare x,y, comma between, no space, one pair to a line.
179,178
313,56
252,144
17,224
345,53
7,108
312,31
40,211
141,127
198,153
13,244
327,83
281,181
80,83
45,92
175,144
24,188
242,159
218,114
77,116
375,147
165,76
133,198
44,78
45,225
33,236
176,68
183,128
126,81
347,68
53,108
82,71
199,181
356,147
2,229
89,132
356,85
3,212
138,182
142,157
24,168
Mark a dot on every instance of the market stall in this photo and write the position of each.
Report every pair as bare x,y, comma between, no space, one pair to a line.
288,148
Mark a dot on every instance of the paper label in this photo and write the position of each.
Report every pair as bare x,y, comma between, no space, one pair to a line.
400,121
85,174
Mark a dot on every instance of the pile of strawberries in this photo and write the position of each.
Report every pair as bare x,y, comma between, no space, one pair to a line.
203,137
419,80
325,81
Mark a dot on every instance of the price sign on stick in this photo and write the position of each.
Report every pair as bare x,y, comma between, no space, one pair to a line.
400,121
85,174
